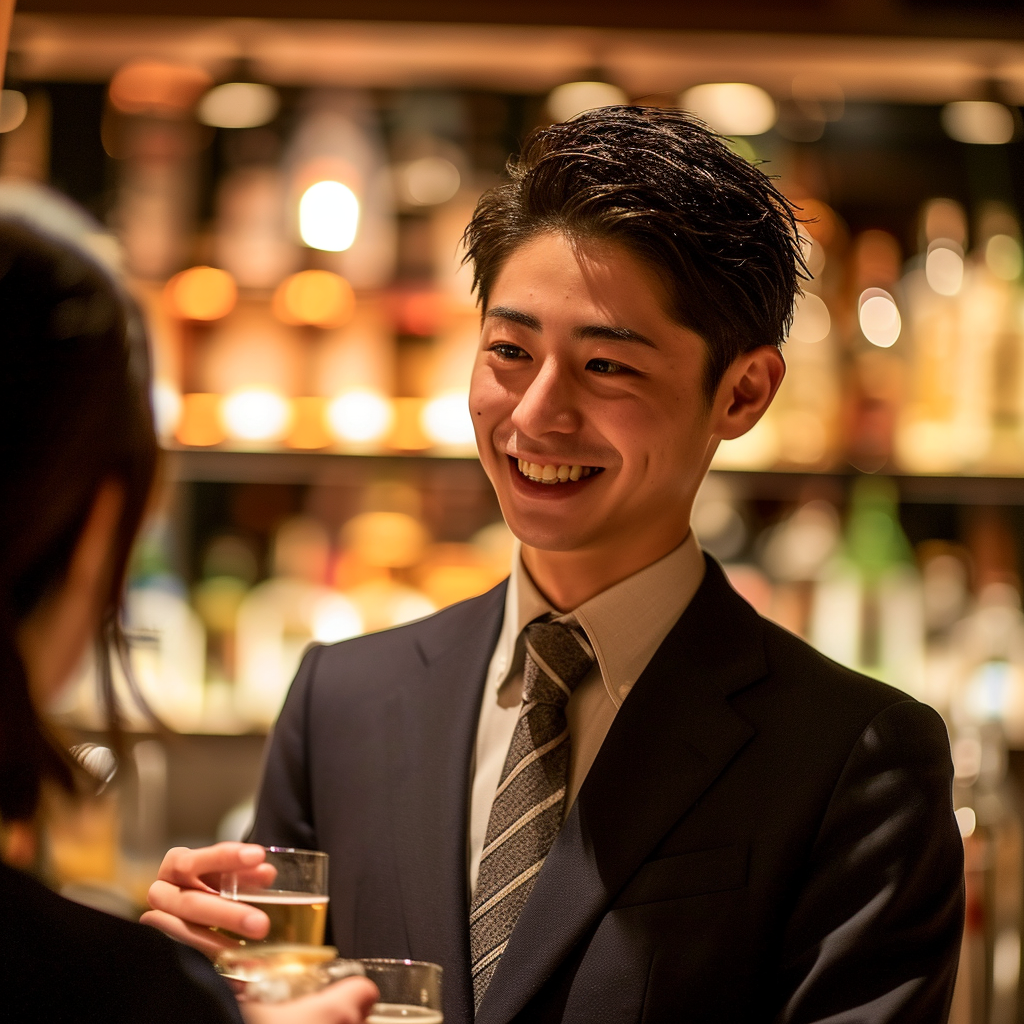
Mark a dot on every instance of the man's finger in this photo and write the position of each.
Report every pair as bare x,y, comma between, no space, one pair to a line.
208,910
190,868
210,943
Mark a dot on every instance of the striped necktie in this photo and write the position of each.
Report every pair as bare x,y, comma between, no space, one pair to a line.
529,801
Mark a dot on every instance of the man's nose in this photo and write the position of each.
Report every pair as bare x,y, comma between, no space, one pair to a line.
549,404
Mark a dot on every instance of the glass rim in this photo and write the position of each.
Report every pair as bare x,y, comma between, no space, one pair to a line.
385,961
294,849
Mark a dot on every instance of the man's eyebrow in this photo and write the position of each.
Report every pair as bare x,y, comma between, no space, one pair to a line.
609,333
514,316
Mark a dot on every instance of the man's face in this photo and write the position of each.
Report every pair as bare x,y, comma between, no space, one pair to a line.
583,377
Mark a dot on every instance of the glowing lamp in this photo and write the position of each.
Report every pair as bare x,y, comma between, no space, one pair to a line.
572,98
13,108
731,108
446,419
239,105
314,297
328,216
878,317
201,293
359,417
256,414
199,425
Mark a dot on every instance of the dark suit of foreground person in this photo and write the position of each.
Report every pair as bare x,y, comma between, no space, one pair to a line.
611,792
763,836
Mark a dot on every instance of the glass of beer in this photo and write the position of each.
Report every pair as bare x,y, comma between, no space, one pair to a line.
292,892
410,990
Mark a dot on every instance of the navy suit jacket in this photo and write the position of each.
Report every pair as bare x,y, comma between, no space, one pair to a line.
764,835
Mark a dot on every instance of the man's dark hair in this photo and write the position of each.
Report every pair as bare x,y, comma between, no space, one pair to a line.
658,181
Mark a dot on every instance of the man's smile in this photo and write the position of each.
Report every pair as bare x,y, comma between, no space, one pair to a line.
553,472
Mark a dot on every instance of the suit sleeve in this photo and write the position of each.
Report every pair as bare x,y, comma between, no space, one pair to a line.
284,808
875,934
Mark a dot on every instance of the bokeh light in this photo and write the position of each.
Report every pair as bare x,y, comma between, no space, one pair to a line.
13,108
199,424
157,87
316,298
256,414
308,428
328,216
1003,257
429,181
811,320
944,267
359,417
390,540
446,419
878,317
978,122
573,98
239,105
201,293
167,404
731,108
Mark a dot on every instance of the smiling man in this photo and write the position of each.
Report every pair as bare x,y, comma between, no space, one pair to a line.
608,790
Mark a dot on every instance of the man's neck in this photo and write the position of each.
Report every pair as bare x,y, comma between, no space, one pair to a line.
569,578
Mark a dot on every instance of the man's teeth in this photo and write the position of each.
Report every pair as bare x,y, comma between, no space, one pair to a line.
551,474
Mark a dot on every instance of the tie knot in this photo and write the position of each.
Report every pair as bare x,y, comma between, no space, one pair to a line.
558,656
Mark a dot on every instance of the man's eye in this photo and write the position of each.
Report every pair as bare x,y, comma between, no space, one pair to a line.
605,366
508,351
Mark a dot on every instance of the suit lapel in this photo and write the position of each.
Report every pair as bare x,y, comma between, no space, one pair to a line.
432,730
676,728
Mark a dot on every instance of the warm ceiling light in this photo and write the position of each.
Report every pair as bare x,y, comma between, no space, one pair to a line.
731,108
315,298
328,216
256,414
446,419
878,317
428,181
572,98
153,87
239,105
981,122
359,417
201,293
13,108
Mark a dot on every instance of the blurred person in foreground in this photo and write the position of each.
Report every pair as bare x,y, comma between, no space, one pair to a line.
79,455
608,790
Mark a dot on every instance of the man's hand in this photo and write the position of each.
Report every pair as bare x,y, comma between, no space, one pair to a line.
344,1002
186,904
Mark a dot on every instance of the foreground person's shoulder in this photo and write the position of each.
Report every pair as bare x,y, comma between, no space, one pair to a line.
60,960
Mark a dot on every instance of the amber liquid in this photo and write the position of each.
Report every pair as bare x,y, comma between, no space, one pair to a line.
294,916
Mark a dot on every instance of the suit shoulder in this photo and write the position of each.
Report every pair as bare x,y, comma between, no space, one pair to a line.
815,677
401,647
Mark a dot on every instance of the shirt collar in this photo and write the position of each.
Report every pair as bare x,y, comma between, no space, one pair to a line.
625,623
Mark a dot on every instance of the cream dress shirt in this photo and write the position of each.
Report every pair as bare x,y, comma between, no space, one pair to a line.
625,624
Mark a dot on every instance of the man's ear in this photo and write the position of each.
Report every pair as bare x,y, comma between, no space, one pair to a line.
746,391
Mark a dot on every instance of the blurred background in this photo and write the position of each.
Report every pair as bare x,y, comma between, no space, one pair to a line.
285,187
